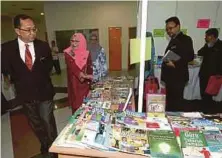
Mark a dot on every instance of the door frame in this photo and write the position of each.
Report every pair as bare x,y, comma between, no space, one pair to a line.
130,66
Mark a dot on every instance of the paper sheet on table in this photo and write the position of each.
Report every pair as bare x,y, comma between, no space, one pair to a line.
135,50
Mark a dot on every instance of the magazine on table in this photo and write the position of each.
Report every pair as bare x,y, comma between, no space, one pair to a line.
130,140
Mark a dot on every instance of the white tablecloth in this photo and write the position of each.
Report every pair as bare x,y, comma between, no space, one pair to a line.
192,89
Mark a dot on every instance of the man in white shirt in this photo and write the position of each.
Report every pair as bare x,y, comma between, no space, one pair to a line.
55,57
28,62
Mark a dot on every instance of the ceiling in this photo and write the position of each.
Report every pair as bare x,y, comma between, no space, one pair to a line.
31,8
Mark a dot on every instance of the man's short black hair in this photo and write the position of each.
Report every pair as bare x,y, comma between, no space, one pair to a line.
19,17
212,31
173,19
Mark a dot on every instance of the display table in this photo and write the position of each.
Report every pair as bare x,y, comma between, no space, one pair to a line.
68,152
64,152
107,91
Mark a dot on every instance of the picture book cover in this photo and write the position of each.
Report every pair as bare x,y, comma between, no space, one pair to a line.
76,135
194,144
96,139
193,139
132,119
214,141
202,122
156,114
157,123
163,144
100,115
155,102
130,140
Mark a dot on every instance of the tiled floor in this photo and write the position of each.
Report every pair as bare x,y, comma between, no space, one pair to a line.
6,137
17,134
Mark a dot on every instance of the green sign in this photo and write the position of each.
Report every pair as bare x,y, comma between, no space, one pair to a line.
184,31
158,32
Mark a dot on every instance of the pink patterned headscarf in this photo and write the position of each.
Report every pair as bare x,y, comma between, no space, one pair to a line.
80,52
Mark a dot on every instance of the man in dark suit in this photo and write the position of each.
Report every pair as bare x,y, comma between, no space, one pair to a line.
175,74
28,61
211,65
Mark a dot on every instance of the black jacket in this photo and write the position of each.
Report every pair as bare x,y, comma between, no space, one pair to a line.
183,46
212,60
29,85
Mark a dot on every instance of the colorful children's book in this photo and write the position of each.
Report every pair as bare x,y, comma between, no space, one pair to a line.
130,140
214,141
155,114
132,119
157,123
194,144
155,103
203,124
163,144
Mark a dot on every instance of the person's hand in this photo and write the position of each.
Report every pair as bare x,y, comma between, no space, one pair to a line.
89,77
81,80
170,64
7,82
82,76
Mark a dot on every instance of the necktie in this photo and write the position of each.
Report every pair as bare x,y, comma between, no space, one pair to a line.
28,57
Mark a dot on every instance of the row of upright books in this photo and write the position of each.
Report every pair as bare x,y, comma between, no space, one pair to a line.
156,134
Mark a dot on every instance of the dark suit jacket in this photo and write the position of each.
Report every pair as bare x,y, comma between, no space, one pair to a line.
183,46
212,60
29,85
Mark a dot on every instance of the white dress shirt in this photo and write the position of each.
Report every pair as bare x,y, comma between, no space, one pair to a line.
22,48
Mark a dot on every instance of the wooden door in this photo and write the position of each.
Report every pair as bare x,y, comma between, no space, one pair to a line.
115,49
132,34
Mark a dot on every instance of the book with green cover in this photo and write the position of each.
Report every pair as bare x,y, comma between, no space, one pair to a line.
194,144
192,138
163,144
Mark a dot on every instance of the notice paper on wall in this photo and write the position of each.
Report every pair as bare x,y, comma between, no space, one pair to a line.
158,33
203,23
135,50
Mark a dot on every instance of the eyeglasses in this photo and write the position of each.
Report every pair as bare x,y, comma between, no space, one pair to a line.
29,30
74,41
170,28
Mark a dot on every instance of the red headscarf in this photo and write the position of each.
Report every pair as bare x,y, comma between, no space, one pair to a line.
80,52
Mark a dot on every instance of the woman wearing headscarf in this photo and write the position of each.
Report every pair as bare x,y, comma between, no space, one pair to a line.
79,70
98,59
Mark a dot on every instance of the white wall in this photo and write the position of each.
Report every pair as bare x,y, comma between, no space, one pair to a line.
8,33
7,30
88,15
188,12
